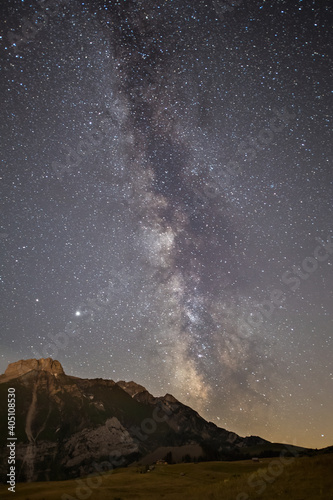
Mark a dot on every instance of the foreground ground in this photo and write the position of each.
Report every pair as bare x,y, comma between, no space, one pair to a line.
279,478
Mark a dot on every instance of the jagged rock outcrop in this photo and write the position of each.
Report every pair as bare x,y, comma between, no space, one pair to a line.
170,398
131,387
65,425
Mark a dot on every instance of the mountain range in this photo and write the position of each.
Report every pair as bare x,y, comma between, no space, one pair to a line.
68,426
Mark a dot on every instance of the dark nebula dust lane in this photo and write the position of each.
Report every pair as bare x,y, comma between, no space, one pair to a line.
166,203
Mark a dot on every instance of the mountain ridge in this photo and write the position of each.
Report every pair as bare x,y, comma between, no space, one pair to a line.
65,424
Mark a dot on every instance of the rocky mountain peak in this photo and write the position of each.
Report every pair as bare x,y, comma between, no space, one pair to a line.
131,387
23,366
170,398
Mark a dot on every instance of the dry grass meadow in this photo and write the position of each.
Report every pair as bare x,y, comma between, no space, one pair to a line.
306,478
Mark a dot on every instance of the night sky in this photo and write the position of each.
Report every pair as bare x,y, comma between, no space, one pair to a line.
166,202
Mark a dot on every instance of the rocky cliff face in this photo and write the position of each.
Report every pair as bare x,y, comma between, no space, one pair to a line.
19,368
65,425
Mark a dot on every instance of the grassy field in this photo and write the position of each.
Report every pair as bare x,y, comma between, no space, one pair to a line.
299,479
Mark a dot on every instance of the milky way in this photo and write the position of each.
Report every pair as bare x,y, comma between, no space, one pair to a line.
166,207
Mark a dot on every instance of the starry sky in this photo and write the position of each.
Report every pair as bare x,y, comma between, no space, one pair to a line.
166,202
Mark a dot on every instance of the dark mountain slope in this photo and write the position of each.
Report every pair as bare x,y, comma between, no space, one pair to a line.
65,425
